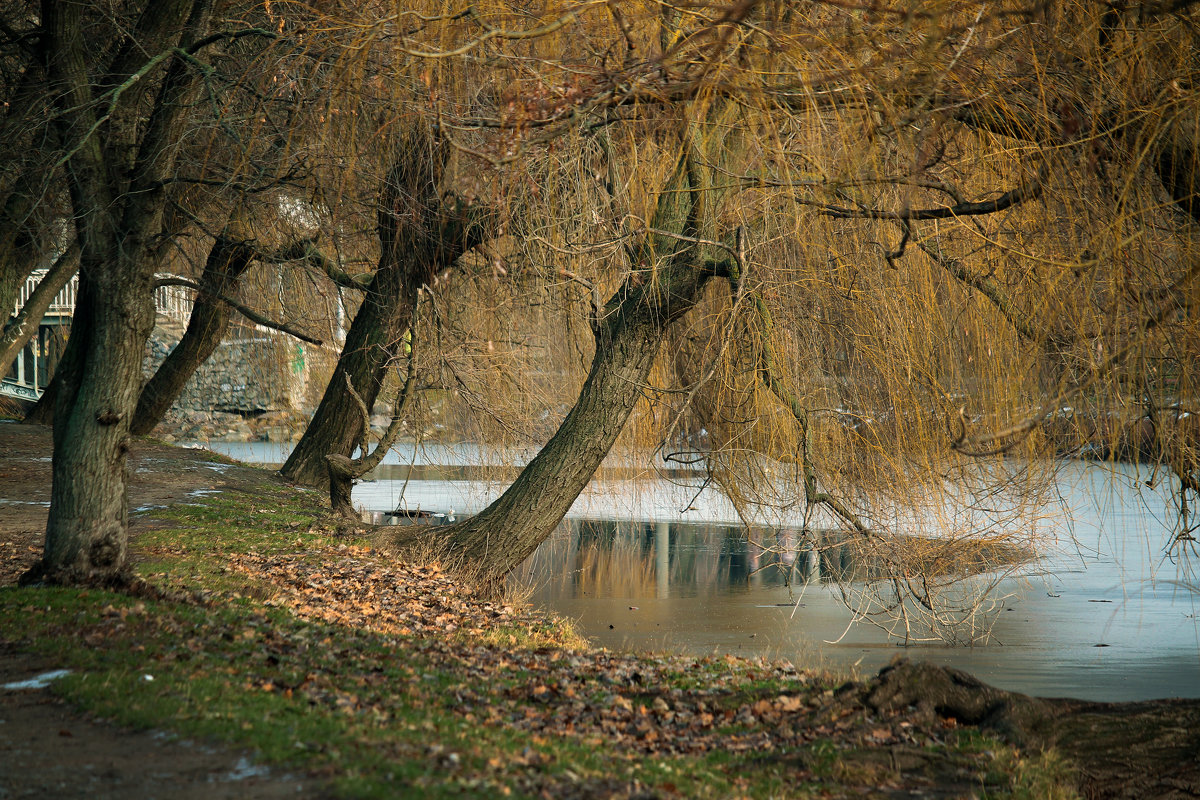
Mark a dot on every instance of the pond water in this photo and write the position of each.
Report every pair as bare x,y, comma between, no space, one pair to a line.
650,564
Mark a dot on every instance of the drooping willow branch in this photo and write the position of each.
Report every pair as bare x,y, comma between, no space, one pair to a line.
1015,434
987,287
768,375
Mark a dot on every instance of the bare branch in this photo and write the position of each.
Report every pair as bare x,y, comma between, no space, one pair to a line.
1013,197
248,313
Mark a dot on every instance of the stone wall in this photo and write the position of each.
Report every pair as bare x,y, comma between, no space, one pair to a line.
251,372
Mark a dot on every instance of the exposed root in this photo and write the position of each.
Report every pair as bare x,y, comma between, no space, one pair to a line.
1122,750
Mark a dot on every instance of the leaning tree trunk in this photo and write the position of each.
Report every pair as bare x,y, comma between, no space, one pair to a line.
343,471
671,269
227,261
419,238
370,346
22,327
486,547
675,267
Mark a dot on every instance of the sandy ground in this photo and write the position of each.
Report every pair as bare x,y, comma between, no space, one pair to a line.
47,750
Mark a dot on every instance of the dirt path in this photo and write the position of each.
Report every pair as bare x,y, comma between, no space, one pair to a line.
50,750
160,475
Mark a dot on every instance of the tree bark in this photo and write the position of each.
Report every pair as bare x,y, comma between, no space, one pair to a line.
486,547
418,239
227,262
86,530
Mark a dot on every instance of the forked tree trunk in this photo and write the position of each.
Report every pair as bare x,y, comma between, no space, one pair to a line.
370,346
227,261
343,471
418,240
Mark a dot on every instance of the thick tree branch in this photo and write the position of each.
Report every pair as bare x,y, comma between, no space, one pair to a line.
248,313
308,252
20,328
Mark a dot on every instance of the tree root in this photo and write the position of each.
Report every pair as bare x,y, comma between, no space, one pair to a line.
1122,750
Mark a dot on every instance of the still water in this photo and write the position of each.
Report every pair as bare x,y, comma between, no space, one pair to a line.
650,564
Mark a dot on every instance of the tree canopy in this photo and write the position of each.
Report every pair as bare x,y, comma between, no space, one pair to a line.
866,261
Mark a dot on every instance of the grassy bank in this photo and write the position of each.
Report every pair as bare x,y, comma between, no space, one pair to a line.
389,680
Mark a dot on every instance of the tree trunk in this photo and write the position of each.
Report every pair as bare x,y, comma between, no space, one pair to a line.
486,547
118,213
370,346
86,530
227,261
42,412
343,471
417,241
669,272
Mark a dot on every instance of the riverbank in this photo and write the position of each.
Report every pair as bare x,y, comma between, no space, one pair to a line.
258,628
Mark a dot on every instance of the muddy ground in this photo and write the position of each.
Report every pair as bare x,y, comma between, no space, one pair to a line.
49,750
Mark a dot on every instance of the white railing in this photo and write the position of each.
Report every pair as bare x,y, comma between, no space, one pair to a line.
63,304
173,302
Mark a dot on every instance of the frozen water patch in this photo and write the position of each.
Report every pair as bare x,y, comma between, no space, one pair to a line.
244,769
144,509
216,466
36,682
42,503
202,492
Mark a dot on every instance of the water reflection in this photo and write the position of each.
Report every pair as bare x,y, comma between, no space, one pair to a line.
1103,615
710,588
621,558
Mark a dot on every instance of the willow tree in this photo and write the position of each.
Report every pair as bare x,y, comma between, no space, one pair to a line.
955,220
422,232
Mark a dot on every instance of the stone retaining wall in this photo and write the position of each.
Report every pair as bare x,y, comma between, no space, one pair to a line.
250,373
